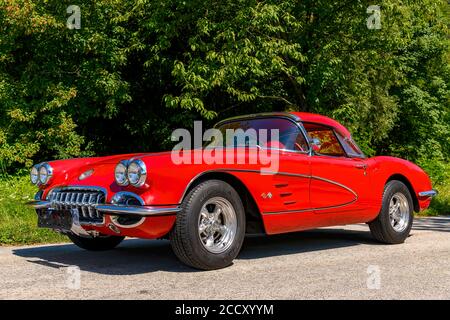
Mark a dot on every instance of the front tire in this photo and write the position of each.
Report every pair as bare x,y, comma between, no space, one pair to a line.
209,231
395,220
96,244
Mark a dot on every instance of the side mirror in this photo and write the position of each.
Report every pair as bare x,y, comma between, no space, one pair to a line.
315,142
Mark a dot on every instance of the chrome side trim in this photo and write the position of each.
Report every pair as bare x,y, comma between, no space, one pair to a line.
268,213
145,211
429,193
234,170
310,209
281,174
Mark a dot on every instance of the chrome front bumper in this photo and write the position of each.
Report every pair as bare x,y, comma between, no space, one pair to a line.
428,194
143,211
118,209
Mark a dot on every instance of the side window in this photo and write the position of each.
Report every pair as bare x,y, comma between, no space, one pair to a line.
328,142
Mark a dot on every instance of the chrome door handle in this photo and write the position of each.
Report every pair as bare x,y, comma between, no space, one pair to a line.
361,166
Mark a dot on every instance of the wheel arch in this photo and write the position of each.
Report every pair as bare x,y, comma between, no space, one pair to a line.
405,180
254,221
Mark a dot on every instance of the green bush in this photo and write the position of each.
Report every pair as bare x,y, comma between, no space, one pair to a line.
18,223
441,204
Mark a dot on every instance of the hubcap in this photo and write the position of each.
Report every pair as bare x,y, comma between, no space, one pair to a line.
217,225
399,212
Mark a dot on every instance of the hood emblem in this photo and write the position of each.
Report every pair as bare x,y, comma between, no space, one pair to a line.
86,174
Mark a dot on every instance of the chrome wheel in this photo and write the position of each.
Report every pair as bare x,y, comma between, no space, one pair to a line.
399,213
217,225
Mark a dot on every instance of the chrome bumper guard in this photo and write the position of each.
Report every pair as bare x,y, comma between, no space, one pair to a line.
117,209
427,194
39,204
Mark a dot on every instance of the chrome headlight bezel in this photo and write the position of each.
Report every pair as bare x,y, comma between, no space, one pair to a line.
34,174
137,173
45,173
121,169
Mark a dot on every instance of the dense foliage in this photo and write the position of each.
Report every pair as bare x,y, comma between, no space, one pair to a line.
136,70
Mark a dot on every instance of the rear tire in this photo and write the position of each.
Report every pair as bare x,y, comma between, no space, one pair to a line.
395,219
96,244
209,231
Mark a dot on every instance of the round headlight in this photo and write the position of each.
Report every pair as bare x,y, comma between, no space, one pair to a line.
34,174
120,173
137,173
45,173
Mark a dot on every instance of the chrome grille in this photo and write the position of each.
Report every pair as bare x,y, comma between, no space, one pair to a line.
82,198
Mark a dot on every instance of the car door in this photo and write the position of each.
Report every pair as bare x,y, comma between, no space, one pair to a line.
340,183
285,201
289,189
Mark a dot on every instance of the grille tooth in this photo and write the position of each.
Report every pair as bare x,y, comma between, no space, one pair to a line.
79,197
83,199
99,198
84,209
63,199
90,208
67,201
73,200
57,200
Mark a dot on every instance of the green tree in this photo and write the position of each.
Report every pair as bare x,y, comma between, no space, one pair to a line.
136,70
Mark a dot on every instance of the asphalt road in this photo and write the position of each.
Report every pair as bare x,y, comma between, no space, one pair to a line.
329,263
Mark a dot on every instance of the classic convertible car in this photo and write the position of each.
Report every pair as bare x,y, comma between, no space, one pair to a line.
205,208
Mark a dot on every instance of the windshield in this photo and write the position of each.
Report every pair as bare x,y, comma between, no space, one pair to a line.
276,133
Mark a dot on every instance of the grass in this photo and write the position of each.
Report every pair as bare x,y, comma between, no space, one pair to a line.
18,223
440,205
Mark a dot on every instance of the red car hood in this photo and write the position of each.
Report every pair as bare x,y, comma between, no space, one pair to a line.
68,171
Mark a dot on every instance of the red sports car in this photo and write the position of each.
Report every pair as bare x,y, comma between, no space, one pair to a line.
206,203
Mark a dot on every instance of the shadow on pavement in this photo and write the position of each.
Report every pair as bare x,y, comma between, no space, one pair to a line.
132,256
307,241
432,224
136,256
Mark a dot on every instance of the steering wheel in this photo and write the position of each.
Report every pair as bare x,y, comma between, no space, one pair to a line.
298,147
